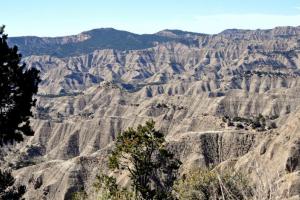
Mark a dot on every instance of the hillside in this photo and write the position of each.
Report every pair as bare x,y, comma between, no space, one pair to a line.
89,41
98,83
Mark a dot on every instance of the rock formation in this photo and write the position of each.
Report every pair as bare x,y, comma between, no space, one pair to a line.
196,87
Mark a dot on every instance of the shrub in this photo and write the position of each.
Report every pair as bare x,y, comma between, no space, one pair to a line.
106,187
229,123
204,184
240,126
82,195
273,125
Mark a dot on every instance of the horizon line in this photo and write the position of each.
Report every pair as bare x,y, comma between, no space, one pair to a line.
167,29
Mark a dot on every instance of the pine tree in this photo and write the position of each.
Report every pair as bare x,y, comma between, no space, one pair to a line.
17,87
7,189
152,167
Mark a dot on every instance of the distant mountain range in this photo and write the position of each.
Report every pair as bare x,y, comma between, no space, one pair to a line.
104,38
109,38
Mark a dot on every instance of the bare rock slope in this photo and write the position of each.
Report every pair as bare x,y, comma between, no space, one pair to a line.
204,92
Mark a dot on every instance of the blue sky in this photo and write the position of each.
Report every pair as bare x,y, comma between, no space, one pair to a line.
65,17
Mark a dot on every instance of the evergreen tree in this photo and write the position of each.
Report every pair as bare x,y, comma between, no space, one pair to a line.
7,189
17,86
152,168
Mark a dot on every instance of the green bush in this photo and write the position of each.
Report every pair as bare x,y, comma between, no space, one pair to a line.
106,187
204,184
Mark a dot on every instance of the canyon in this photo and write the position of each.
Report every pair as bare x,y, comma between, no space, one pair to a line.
203,91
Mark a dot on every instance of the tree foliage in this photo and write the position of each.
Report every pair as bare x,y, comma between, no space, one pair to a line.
107,188
17,86
7,189
204,184
152,168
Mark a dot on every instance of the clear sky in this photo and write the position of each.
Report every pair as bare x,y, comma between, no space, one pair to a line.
65,17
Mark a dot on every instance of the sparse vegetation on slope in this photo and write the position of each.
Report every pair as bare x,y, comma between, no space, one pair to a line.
204,184
259,123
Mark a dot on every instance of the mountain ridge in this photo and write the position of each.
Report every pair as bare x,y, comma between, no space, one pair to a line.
110,38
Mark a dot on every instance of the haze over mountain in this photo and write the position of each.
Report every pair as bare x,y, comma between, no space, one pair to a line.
98,83
89,41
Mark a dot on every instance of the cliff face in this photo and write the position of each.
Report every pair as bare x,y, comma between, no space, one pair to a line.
186,82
